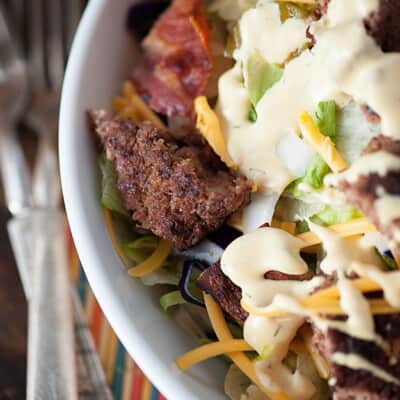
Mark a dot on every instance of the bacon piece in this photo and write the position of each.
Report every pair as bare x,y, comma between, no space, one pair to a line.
177,59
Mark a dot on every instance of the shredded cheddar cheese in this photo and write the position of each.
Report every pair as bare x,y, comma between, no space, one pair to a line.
207,123
151,264
242,361
287,226
364,285
321,143
113,236
321,306
154,262
351,228
211,350
131,105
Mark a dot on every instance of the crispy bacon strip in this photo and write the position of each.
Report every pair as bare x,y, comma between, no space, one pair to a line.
177,59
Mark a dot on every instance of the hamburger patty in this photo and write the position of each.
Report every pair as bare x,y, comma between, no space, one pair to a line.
228,295
368,188
178,191
224,291
383,24
361,384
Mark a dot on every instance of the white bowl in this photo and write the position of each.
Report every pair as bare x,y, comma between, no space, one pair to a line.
101,58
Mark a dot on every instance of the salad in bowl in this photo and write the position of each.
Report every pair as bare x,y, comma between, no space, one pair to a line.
251,174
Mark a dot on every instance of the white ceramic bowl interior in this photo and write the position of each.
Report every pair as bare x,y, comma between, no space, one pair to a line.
101,59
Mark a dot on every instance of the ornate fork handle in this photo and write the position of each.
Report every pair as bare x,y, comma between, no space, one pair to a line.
51,337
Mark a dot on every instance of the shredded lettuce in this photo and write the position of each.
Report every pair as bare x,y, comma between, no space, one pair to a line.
140,249
171,299
259,76
266,353
316,172
354,131
110,196
326,119
336,215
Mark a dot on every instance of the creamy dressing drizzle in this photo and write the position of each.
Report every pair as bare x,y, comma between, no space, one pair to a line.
248,258
326,72
380,162
355,361
245,261
336,68
389,281
277,333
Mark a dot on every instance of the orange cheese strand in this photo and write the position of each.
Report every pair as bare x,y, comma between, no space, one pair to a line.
154,262
211,350
208,124
243,363
321,143
354,227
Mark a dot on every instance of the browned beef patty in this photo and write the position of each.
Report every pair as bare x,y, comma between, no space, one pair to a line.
228,295
360,384
178,191
383,25
224,291
365,191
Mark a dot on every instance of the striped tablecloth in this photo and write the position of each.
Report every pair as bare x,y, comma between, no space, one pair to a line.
125,378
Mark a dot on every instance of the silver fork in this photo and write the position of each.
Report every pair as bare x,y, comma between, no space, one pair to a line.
51,362
14,171
46,60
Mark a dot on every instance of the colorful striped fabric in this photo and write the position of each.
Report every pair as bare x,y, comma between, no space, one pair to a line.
125,378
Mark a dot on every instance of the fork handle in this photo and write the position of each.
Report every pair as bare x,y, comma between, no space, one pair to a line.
15,175
51,361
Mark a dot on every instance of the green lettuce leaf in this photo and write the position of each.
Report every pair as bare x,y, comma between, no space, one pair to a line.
266,353
259,76
316,172
140,249
354,131
325,118
332,215
171,299
110,196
